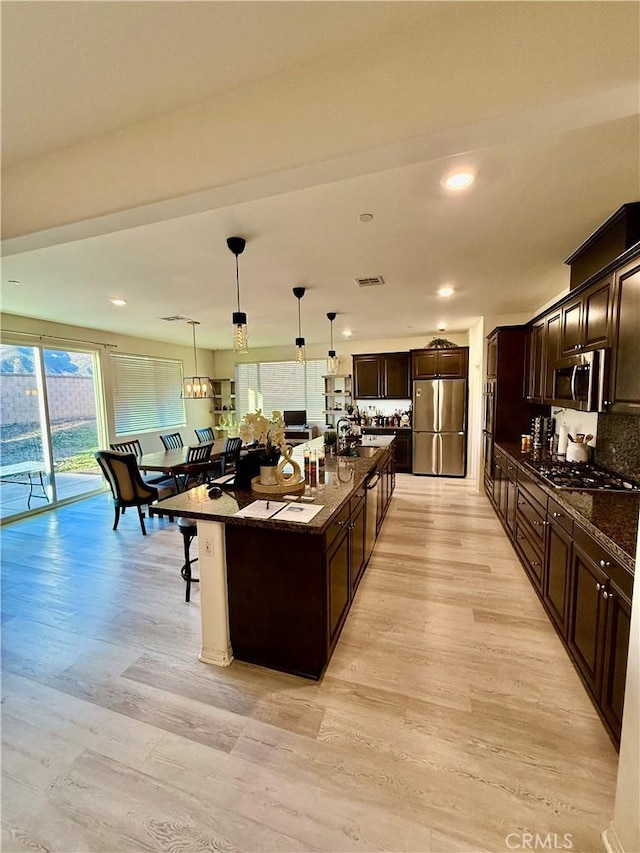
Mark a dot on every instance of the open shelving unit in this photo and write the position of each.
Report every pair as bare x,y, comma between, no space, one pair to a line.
224,407
338,394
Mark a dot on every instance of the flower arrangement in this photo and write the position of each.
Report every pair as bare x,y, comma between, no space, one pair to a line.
267,432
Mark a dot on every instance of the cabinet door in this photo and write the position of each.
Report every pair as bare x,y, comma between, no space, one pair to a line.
397,376
625,394
403,450
511,499
487,445
452,363
492,356
338,580
618,618
424,364
537,362
571,334
356,544
498,476
553,327
586,625
367,376
597,315
555,587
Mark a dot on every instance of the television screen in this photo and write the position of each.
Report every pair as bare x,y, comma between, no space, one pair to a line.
297,417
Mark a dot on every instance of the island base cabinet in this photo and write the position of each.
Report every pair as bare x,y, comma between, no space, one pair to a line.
278,598
338,583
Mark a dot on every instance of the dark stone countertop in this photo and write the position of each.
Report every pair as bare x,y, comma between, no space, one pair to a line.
610,517
333,495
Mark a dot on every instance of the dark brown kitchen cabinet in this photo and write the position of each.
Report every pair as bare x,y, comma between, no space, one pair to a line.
534,382
338,582
598,637
555,585
586,319
553,323
401,447
382,376
624,393
440,363
357,538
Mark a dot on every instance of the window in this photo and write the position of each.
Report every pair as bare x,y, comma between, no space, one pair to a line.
282,385
146,394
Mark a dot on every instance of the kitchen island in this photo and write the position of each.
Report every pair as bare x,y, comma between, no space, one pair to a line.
275,592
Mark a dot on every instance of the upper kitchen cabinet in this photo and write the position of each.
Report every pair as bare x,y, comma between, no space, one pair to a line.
586,319
440,363
620,232
381,376
624,387
535,363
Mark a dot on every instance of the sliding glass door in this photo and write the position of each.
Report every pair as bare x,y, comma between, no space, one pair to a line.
51,427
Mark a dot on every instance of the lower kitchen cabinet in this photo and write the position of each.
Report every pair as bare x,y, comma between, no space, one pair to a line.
338,582
584,589
357,536
402,446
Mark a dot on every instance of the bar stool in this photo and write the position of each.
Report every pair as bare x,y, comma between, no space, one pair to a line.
189,530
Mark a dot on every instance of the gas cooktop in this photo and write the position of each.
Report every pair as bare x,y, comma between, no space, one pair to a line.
573,475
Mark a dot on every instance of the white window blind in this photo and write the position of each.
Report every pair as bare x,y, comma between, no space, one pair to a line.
282,385
146,393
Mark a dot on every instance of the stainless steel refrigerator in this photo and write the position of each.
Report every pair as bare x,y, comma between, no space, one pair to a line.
440,427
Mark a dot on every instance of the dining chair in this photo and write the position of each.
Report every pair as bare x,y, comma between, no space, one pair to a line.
205,434
127,486
231,454
134,446
189,530
172,441
195,468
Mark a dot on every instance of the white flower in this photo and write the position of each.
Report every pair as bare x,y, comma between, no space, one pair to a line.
255,426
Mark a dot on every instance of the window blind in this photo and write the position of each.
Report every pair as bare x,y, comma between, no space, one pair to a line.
146,393
282,385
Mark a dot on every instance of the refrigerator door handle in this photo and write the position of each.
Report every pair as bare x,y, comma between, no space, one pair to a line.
437,404
439,437
435,455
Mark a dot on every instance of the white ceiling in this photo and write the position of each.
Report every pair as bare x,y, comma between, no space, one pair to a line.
549,124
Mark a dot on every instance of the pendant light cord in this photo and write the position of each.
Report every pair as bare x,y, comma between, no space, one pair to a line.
238,283
332,334
299,327
195,351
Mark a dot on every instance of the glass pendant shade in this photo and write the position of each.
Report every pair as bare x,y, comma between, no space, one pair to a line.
300,355
240,340
196,387
239,318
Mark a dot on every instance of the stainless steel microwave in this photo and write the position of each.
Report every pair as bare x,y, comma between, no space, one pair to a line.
579,381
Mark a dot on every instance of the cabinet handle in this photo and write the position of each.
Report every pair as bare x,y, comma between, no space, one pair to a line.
539,523
599,586
520,503
558,515
519,538
604,564
340,523
535,563
605,594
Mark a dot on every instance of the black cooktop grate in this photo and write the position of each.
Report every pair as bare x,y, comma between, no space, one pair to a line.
568,475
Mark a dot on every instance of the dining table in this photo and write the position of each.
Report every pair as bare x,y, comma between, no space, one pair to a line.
167,461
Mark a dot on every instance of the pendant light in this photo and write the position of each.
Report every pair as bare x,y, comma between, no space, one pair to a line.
332,358
239,318
196,387
298,292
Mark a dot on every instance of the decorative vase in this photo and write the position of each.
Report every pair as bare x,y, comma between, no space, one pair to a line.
268,475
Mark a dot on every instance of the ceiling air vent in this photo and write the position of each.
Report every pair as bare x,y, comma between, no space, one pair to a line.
370,281
174,318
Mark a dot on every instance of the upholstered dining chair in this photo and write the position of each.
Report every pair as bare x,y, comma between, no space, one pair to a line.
127,486
231,454
172,441
195,468
134,446
205,434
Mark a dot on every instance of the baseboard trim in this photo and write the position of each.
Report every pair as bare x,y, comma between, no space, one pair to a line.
611,841
217,657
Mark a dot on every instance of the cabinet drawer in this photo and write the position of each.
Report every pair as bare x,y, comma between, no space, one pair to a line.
533,514
560,515
530,552
338,524
605,561
357,500
534,491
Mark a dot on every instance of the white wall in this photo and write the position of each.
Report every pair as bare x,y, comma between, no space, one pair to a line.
197,411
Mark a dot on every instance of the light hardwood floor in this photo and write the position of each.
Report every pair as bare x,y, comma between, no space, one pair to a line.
449,717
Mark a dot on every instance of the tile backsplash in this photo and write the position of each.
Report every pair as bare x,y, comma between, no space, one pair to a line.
619,444
577,422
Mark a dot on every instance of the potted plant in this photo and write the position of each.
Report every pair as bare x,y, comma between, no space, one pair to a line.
330,441
268,433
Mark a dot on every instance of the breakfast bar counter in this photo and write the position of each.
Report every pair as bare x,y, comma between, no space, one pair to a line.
276,592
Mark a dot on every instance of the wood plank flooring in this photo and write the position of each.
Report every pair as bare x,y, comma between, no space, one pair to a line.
449,716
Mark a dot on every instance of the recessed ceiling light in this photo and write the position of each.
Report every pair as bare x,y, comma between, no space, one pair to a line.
118,302
445,292
365,217
347,333
458,180
442,327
